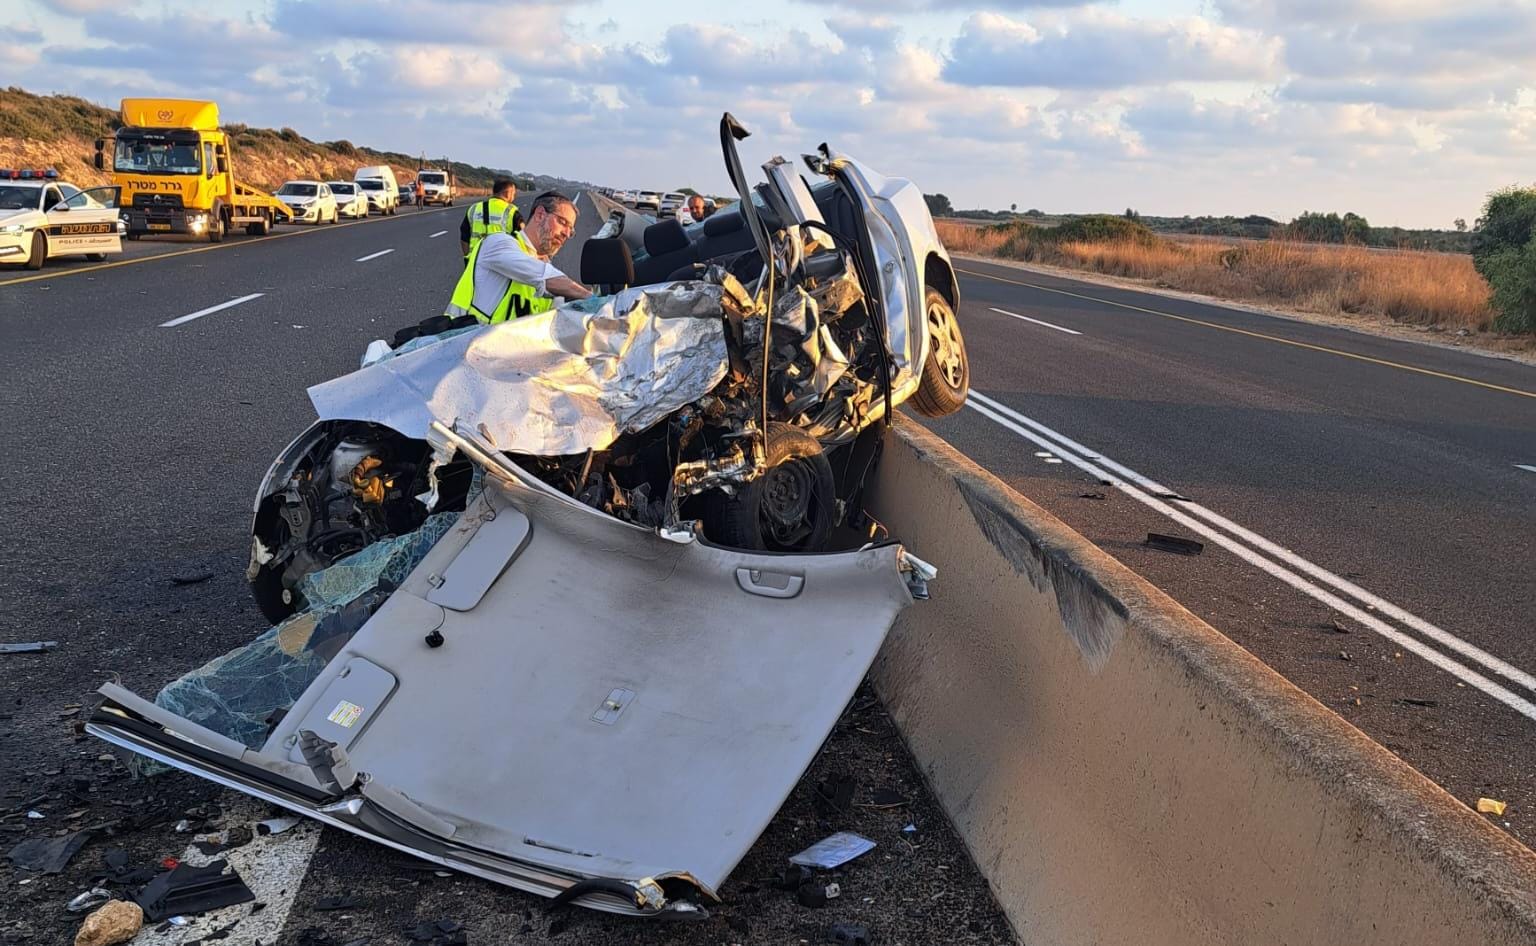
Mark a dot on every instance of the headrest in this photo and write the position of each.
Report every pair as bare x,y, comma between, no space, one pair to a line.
665,237
721,224
607,263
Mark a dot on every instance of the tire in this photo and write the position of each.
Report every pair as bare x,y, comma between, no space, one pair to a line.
790,508
947,372
39,250
267,591
96,257
134,235
216,227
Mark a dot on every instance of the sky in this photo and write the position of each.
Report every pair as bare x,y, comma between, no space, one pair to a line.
1406,111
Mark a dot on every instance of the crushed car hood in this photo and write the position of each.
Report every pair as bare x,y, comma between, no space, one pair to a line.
559,383
600,703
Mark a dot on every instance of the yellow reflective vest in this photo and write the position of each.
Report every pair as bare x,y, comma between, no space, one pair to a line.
519,299
492,215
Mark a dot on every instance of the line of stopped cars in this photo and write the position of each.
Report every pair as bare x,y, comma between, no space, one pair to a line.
571,602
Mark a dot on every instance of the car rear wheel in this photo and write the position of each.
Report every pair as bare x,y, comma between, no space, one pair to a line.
947,372
790,508
96,257
39,251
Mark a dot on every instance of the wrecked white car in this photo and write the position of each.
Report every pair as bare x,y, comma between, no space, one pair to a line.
571,602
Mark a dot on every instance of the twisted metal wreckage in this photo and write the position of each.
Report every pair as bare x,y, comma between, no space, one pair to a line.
570,603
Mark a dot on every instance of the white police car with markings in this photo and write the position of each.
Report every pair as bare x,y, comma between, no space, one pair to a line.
42,218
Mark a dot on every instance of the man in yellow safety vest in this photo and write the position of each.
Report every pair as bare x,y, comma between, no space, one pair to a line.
509,275
495,214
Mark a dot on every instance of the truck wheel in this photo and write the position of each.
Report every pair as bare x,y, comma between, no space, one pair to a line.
39,250
216,227
789,508
947,372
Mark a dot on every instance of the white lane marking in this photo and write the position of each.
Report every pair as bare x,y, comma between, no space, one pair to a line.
273,866
364,259
210,310
1439,635
1528,469
433,236
1413,645
1025,318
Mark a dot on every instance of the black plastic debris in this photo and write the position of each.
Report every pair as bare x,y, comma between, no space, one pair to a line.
834,795
48,855
795,875
28,647
848,934
1092,495
329,904
888,798
1174,543
1410,701
191,578
120,874
188,891
238,836
812,894
443,933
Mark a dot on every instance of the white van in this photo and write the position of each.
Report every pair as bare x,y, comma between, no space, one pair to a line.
434,187
378,183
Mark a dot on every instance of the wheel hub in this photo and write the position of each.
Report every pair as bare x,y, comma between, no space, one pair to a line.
786,503
947,344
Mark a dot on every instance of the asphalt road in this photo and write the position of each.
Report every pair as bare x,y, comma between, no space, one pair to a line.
1367,506
135,438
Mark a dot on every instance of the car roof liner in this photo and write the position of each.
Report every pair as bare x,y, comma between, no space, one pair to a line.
639,724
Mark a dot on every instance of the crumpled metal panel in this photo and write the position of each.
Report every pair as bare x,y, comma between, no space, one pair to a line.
559,383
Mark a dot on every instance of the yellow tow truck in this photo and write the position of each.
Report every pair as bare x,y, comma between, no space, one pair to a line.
173,164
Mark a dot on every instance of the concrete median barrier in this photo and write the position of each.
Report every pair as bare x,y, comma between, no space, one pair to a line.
1123,773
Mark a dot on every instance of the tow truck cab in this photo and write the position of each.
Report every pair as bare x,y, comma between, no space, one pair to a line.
172,162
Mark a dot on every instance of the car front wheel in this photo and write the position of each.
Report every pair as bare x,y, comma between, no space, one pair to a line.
39,251
789,508
947,372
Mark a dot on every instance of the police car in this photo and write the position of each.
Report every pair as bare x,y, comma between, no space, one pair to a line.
42,217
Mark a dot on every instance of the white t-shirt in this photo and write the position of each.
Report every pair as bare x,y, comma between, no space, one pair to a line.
502,261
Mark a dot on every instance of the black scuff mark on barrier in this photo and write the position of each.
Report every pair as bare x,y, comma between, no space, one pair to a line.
1094,619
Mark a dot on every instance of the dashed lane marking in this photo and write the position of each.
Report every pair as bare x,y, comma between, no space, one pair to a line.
1025,318
210,310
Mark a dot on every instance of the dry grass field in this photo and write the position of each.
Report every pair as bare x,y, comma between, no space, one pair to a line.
1441,290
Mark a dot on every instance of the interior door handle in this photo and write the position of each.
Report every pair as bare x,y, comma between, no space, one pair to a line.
769,584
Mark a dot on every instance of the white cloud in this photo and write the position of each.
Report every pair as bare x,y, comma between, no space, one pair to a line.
1104,50
82,7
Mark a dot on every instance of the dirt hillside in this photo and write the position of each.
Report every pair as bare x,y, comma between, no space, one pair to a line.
59,131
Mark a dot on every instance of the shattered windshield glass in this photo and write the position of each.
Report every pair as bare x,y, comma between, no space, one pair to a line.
244,693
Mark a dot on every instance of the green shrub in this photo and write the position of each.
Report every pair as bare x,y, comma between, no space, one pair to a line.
1504,252
1100,228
